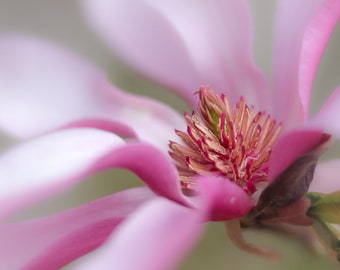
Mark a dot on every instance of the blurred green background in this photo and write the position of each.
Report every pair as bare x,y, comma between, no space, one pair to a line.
61,21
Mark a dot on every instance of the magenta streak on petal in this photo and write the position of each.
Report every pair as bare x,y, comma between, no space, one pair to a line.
184,44
292,19
107,125
314,42
156,237
53,241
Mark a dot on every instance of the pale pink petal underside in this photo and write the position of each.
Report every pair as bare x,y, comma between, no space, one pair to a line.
184,44
292,20
43,87
315,39
51,242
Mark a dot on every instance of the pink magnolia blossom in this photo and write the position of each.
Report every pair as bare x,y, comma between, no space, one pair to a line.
75,112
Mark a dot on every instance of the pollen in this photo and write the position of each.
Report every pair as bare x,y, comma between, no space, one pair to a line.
233,143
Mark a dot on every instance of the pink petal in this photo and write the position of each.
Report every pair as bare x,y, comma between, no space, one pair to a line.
292,145
326,177
314,42
160,233
327,118
156,237
184,44
51,242
292,20
223,199
43,87
52,163
155,168
37,169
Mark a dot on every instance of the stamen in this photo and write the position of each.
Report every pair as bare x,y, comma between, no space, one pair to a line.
235,144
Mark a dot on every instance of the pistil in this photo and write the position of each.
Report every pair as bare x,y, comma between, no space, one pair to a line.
231,143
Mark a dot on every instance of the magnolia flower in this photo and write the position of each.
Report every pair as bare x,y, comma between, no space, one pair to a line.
246,156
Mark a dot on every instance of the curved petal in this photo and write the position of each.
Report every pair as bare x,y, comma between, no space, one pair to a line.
184,44
315,39
222,199
49,164
51,242
34,170
292,20
326,178
291,146
154,167
156,237
43,87
327,119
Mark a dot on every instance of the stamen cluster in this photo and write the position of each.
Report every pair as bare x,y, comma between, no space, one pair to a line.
235,144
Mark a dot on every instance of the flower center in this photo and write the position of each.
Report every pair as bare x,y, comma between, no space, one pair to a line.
232,143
